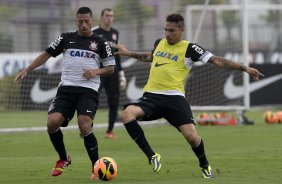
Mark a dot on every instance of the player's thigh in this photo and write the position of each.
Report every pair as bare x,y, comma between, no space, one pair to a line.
189,132
177,111
131,112
145,108
63,104
87,103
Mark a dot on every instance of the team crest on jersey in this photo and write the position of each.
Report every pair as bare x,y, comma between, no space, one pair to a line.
114,37
93,45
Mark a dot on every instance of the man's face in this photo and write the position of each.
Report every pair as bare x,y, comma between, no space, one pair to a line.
173,32
108,18
84,24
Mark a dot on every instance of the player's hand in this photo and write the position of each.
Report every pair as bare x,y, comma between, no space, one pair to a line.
254,72
20,75
90,73
122,50
122,80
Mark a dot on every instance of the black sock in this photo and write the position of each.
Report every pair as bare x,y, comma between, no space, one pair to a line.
91,145
136,133
112,119
113,109
200,153
57,140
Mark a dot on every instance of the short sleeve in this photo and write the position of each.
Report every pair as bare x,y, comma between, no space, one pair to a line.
197,53
57,46
107,57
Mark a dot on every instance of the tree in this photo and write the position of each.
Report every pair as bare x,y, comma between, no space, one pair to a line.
274,18
5,37
229,18
135,13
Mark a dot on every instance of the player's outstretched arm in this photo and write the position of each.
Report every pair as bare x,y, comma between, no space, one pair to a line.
38,61
228,64
142,56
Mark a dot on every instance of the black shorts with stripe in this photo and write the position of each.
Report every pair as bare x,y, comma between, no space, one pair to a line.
174,108
71,98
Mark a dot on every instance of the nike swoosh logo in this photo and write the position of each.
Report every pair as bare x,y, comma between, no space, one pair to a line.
133,92
72,42
232,91
160,64
38,95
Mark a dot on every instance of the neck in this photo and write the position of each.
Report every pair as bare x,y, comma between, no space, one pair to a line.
80,34
105,27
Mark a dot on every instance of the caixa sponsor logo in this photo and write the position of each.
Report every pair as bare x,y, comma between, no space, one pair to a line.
11,63
85,54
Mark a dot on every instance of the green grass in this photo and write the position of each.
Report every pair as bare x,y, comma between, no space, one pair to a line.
238,154
37,118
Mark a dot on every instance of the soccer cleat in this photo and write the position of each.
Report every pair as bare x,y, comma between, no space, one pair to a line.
156,162
207,172
111,135
93,176
59,167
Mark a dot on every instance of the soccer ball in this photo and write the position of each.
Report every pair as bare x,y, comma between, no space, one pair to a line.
105,169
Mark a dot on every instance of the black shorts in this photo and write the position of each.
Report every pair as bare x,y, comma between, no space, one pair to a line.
174,108
70,99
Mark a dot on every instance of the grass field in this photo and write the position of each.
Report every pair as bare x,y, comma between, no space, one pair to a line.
238,154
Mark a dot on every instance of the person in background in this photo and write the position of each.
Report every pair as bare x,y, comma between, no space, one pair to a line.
115,82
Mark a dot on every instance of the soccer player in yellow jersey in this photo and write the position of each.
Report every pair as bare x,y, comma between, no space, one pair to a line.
171,58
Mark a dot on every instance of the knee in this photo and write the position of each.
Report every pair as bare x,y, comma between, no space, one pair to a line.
194,140
125,116
85,125
54,122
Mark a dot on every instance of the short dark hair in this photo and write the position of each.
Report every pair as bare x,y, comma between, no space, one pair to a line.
84,10
176,18
105,9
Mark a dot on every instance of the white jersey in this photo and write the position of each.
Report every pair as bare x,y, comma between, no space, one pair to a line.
81,53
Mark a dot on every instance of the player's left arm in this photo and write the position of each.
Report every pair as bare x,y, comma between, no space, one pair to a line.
231,65
142,56
91,73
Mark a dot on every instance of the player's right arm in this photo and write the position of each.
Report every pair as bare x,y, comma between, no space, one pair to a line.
54,49
38,61
142,56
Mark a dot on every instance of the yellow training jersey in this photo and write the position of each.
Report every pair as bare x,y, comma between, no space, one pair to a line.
171,65
168,72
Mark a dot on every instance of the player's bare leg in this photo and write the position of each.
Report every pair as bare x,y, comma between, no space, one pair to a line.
190,134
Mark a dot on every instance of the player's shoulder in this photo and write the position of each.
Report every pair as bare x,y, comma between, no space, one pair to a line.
99,39
96,29
114,30
157,41
69,33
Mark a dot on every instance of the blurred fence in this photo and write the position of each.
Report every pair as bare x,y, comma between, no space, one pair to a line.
28,26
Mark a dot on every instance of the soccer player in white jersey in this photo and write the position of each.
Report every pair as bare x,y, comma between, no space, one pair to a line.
86,57
171,61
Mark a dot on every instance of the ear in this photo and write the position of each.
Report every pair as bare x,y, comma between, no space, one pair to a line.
93,22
